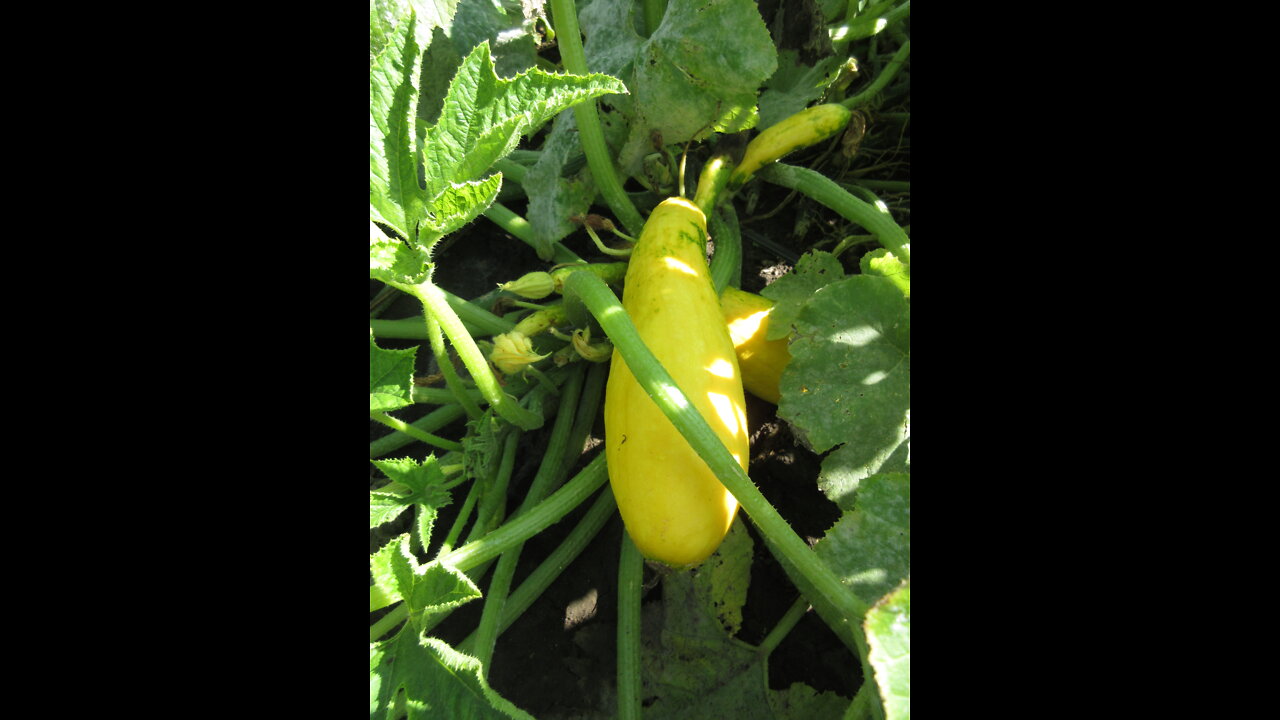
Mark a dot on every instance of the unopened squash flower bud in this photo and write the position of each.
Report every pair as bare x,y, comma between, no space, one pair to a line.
598,352
534,286
512,351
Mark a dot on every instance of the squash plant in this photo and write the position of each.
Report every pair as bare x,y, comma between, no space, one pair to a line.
622,163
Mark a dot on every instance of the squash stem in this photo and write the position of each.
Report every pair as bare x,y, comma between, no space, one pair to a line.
546,573
437,307
548,474
430,422
413,432
630,576
590,132
824,190
784,626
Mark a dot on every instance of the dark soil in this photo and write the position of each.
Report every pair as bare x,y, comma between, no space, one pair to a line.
558,659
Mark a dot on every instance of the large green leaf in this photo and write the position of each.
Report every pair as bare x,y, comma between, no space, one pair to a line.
699,72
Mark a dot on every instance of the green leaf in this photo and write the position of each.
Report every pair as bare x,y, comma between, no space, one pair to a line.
869,547
458,205
394,261
483,116
694,669
699,72
850,373
434,681
845,468
390,378
426,589
413,484
553,198
801,702
721,581
814,271
385,16
888,628
885,264
395,198
795,86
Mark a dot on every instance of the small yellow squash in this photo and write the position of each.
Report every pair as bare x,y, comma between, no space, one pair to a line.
761,361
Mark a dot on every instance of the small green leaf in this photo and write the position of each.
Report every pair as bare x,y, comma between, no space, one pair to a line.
888,628
426,589
421,485
814,271
390,378
456,206
885,264
721,581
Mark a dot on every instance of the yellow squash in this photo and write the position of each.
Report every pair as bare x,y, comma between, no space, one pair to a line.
761,361
809,126
675,509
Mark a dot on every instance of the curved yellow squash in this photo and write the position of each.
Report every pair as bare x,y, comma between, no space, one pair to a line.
761,361
675,509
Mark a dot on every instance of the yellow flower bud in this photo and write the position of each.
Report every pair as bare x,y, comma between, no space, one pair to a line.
534,286
512,351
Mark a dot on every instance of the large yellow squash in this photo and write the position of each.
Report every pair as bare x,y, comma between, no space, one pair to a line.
675,509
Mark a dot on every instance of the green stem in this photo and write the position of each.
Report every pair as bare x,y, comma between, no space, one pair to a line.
887,185
726,263
784,626
455,530
675,405
511,169
493,505
438,396
475,317
822,189
452,381
546,573
523,231
890,70
590,132
548,474
430,422
437,307
630,577
517,530
549,511
413,432
394,617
